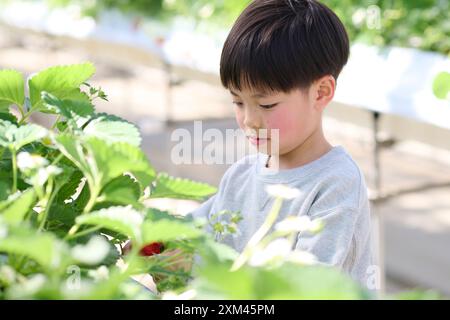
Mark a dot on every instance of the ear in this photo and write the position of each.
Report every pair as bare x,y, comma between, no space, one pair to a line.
324,91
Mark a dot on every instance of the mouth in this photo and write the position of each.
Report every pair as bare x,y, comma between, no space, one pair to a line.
257,141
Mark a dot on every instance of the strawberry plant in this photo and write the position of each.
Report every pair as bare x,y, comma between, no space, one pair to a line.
72,195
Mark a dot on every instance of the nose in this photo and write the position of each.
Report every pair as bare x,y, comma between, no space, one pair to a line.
251,119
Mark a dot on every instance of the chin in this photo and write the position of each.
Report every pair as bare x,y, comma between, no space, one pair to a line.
268,150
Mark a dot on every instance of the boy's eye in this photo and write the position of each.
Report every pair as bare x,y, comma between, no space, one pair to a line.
269,106
239,104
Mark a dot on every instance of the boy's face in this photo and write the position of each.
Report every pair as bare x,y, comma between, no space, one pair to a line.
294,114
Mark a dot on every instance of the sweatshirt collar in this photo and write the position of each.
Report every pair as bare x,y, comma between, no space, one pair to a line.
286,175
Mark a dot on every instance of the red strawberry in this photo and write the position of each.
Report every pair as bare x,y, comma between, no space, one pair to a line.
151,249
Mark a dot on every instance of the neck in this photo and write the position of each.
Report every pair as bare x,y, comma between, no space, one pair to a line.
311,149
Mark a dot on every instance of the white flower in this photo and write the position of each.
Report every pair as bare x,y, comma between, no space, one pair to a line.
28,287
302,257
27,161
92,253
282,191
44,173
34,166
298,224
275,251
53,170
101,273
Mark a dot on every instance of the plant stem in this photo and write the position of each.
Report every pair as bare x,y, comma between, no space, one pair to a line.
258,236
92,198
57,159
50,195
14,165
56,122
90,204
82,233
72,231
25,116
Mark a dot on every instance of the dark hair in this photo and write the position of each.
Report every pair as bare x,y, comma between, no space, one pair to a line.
280,45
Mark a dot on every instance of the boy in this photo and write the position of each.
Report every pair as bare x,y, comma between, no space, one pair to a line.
280,62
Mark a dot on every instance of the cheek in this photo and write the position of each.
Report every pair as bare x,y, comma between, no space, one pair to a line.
288,124
239,115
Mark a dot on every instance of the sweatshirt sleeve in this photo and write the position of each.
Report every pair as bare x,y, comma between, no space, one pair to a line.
334,244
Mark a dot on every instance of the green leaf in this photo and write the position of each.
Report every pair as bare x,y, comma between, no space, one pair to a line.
4,105
27,134
17,207
291,281
121,190
153,214
62,126
71,147
8,117
170,187
101,161
16,137
215,251
113,255
168,230
441,85
83,198
113,129
61,81
93,252
63,214
43,248
124,220
70,187
11,88
5,127
114,160
67,107
76,94
215,281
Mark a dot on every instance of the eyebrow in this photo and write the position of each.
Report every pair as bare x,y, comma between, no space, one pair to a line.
257,95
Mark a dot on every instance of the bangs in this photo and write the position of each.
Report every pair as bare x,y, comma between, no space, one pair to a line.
263,63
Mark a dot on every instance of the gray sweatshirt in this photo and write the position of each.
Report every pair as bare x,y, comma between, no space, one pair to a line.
332,188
